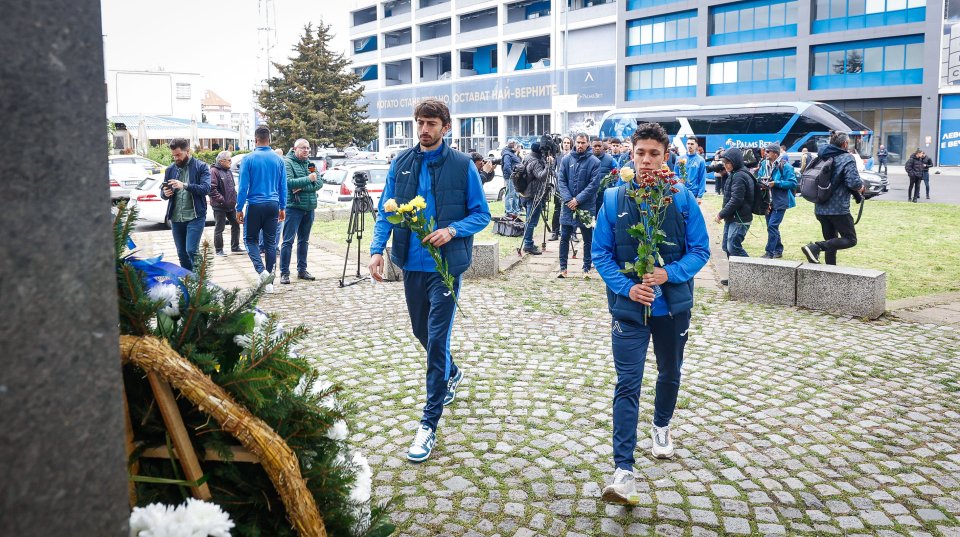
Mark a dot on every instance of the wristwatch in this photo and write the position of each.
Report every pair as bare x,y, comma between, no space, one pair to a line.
452,230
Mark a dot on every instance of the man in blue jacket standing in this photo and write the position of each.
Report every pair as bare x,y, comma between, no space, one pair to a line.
263,186
778,176
577,182
451,186
669,293
695,170
186,184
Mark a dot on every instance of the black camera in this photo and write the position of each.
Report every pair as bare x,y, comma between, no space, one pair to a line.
716,166
494,161
360,179
550,144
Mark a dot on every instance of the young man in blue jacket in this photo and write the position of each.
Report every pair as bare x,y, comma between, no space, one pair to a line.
685,252
451,186
263,190
578,179
186,184
781,180
695,169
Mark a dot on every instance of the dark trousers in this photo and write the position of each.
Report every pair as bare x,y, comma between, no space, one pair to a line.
587,233
222,217
533,216
630,343
882,164
839,233
297,224
432,311
913,191
262,217
555,220
926,182
186,237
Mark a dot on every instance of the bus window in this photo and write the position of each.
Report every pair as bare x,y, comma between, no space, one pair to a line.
771,123
804,126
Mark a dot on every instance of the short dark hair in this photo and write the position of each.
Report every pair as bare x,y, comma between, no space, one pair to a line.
651,131
613,140
838,138
179,143
432,108
581,135
262,134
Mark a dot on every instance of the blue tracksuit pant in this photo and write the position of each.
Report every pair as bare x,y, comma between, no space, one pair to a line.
431,315
630,342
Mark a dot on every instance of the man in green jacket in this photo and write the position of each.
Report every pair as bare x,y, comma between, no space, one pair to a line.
302,186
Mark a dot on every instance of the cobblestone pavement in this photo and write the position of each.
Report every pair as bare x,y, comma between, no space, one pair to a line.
789,422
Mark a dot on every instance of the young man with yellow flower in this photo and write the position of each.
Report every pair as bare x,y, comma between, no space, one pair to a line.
445,185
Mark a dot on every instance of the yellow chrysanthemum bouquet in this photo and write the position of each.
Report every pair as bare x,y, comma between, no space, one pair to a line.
411,216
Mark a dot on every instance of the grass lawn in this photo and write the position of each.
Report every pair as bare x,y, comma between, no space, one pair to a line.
917,244
336,231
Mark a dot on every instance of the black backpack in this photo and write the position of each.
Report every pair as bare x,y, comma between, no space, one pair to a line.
761,196
520,178
816,181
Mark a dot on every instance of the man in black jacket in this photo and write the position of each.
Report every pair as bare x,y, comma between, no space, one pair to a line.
737,202
223,201
914,169
533,197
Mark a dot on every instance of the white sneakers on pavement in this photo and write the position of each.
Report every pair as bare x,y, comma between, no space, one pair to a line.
622,490
662,442
422,445
266,276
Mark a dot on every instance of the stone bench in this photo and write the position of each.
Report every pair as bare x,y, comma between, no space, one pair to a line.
763,281
486,262
842,290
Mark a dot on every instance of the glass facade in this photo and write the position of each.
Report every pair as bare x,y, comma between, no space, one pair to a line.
662,80
640,4
664,33
877,62
528,128
895,124
400,132
755,72
478,134
835,15
756,20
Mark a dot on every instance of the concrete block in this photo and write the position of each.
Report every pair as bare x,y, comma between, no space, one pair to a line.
486,262
763,281
842,290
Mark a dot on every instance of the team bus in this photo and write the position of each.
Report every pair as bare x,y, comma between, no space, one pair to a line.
796,125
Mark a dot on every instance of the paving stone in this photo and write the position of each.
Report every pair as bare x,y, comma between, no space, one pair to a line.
700,516
931,515
736,526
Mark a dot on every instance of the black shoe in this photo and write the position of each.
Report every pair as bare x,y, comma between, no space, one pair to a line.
766,256
554,236
220,253
812,251
285,279
534,250
777,256
725,283
238,250
928,197
305,276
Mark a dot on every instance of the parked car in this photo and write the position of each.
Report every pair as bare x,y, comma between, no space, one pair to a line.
338,182
152,208
496,188
330,157
124,177
150,166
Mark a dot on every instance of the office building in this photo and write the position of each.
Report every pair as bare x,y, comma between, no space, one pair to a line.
514,69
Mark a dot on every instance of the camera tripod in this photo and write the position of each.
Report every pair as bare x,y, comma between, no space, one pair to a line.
359,207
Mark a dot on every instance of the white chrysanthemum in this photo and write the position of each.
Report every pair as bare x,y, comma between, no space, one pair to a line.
206,518
168,293
338,431
360,493
145,519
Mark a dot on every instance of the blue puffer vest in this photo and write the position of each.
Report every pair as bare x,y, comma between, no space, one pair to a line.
679,296
448,183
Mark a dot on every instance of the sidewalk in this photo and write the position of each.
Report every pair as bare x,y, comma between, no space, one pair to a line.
940,309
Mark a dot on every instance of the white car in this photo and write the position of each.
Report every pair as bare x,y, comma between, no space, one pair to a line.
149,166
338,185
124,177
152,208
496,188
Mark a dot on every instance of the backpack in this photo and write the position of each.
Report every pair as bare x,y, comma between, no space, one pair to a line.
520,178
816,181
761,197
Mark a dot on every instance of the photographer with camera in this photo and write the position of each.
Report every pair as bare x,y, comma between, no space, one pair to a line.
485,167
836,222
779,177
509,159
535,172
719,171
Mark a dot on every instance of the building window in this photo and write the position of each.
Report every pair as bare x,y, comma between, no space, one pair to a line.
836,15
664,33
365,44
877,62
758,72
366,73
183,90
662,80
752,21
527,129
641,4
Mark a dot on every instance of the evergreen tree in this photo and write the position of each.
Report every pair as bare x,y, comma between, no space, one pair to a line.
315,97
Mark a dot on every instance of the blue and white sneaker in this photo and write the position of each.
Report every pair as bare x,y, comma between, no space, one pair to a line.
422,445
452,384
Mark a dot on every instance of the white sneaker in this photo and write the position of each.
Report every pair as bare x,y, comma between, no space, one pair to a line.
662,442
264,275
422,445
622,490
268,288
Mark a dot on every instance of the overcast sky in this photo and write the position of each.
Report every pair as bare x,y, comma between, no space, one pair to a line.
216,39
